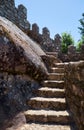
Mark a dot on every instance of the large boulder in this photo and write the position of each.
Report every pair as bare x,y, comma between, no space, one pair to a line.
21,70
19,54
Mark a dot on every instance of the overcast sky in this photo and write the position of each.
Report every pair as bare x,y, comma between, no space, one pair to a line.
58,15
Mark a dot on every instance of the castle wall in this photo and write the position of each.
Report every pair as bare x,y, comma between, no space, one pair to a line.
72,54
44,39
17,15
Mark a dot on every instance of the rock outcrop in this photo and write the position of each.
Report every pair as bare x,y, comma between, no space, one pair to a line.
21,54
21,69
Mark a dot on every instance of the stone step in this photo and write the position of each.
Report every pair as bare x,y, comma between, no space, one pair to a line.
53,84
59,65
48,116
39,126
56,76
57,70
47,103
50,92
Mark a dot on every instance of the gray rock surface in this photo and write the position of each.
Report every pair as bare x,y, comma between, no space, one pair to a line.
21,55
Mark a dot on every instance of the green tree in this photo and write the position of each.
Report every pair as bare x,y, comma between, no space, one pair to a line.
66,41
82,25
79,45
82,28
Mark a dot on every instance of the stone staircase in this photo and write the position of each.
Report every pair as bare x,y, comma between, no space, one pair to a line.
48,106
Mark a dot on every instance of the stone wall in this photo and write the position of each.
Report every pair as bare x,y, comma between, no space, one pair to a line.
74,85
54,45
16,15
71,57
44,40
72,54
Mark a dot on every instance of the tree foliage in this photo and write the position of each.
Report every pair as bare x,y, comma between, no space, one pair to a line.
82,26
81,31
66,41
80,42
